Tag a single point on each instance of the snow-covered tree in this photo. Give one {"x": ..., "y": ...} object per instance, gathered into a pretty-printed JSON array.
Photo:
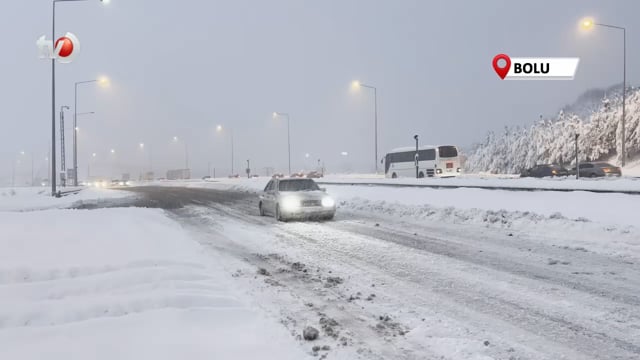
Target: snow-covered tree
[{"x": 553, "y": 140}]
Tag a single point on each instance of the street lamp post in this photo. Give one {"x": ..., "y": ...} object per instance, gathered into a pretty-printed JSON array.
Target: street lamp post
[
  {"x": 53, "y": 98},
  {"x": 275, "y": 115},
  {"x": 220, "y": 128},
  {"x": 75, "y": 143},
  {"x": 577, "y": 159},
  {"x": 75, "y": 123},
  {"x": 186, "y": 152},
  {"x": 63, "y": 165},
  {"x": 417, "y": 157},
  {"x": 588, "y": 24},
  {"x": 375, "y": 119}
]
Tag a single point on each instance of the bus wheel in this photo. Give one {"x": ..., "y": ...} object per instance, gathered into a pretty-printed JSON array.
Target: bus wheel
[
  {"x": 420, "y": 175},
  {"x": 394, "y": 176}
]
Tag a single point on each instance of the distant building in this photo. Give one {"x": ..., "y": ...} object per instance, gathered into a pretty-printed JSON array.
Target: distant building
[{"x": 178, "y": 174}]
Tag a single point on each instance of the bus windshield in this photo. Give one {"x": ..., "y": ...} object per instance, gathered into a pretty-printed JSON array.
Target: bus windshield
[{"x": 448, "y": 151}]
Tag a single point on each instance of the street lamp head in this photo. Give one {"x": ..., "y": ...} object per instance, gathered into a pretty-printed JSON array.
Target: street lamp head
[
  {"x": 587, "y": 23},
  {"x": 355, "y": 84},
  {"x": 113, "y": 151},
  {"x": 106, "y": 2},
  {"x": 94, "y": 154},
  {"x": 175, "y": 138},
  {"x": 275, "y": 114},
  {"x": 141, "y": 145},
  {"x": 219, "y": 128},
  {"x": 103, "y": 81}
]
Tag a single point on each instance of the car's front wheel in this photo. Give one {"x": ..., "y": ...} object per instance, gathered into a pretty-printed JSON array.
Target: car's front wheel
[{"x": 278, "y": 215}]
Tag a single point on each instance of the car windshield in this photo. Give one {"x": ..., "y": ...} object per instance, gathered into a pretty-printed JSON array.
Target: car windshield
[
  {"x": 604, "y": 165},
  {"x": 298, "y": 185}
]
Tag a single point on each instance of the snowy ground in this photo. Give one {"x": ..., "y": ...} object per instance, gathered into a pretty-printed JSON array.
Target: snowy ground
[
  {"x": 402, "y": 273},
  {"x": 121, "y": 283},
  {"x": 38, "y": 198},
  {"x": 491, "y": 181}
]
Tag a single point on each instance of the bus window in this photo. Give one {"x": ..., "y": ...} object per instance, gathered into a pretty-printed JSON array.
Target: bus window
[
  {"x": 426, "y": 155},
  {"x": 448, "y": 151}
]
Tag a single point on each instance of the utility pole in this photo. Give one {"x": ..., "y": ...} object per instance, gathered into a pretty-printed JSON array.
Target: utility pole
[{"x": 248, "y": 169}]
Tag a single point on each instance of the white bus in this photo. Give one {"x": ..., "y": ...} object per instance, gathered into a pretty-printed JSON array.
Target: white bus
[{"x": 433, "y": 161}]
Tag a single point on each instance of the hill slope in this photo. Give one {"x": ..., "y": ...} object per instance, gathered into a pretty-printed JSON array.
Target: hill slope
[{"x": 552, "y": 140}]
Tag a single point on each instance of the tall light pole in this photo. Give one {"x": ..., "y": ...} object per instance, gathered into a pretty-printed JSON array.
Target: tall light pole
[
  {"x": 220, "y": 129},
  {"x": 588, "y": 24},
  {"x": 358, "y": 84},
  {"x": 186, "y": 151},
  {"x": 102, "y": 81},
  {"x": 75, "y": 144},
  {"x": 417, "y": 157},
  {"x": 275, "y": 115},
  {"x": 53, "y": 96},
  {"x": 63, "y": 165}
]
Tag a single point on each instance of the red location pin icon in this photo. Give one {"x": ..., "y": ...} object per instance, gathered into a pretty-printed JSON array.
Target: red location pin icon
[{"x": 502, "y": 71}]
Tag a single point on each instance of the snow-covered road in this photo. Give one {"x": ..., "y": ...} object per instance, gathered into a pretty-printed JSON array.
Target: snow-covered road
[
  {"x": 400, "y": 274},
  {"x": 379, "y": 285}
]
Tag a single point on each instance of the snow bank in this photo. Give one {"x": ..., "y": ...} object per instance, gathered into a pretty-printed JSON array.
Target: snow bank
[
  {"x": 122, "y": 283},
  {"x": 38, "y": 198},
  {"x": 565, "y": 184}
]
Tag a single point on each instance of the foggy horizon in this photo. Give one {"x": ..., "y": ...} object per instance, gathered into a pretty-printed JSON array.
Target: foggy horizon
[{"x": 179, "y": 70}]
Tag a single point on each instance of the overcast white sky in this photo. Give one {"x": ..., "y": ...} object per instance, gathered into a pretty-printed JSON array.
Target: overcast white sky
[{"x": 179, "y": 68}]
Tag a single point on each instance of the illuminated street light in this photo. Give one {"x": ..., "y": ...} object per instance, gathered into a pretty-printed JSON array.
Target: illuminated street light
[
  {"x": 103, "y": 81},
  {"x": 357, "y": 85},
  {"x": 220, "y": 129},
  {"x": 588, "y": 24},
  {"x": 186, "y": 152},
  {"x": 275, "y": 116}
]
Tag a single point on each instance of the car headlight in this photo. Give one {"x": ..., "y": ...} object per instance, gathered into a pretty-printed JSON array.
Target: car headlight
[
  {"x": 459, "y": 170},
  {"x": 328, "y": 202},
  {"x": 438, "y": 171},
  {"x": 290, "y": 204}
]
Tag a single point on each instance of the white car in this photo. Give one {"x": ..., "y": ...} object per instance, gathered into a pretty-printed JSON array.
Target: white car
[{"x": 288, "y": 199}]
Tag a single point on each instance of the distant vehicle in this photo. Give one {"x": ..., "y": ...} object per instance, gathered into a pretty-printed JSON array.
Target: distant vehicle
[
  {"x": 314, "y": 175},
  {"x": 206, "y": 177},
  {"x": 119, "y": 182},
  {"x": 288, "y": 199},
  {"x": 546, "y": 170},
  {"x": 234, "y": 176},
  {"x": 597, "y": 169},
  {"x": 255, "y": 176},
  {"x": 433, "y": 161}
]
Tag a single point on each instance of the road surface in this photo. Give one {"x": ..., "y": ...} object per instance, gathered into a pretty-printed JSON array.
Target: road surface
[{"x": 391, "y": 288}]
